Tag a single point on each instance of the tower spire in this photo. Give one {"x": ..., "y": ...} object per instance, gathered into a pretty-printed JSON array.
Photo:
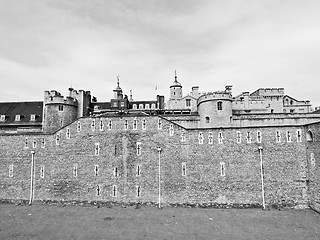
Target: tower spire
[
  {"x": 175, "y": 75},
  {"x": 118, "y": 81}
]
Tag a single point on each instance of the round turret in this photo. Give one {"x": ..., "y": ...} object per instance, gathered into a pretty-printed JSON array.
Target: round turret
[
  {"x": 175, "y": 89},
  {"x": 215, "y": 109}
]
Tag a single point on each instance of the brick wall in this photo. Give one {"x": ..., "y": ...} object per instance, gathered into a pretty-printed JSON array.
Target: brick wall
[{"x": 190, "y": 171}]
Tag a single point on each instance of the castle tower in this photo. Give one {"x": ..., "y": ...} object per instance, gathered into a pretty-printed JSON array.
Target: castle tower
[
  {"x": 118, "y": 91},
  {"x": 119, "y": 102},
  {"x": 215, "y": 109},
  {"x": 58, "y": 111},
  {"x": 175, "y": 89}
]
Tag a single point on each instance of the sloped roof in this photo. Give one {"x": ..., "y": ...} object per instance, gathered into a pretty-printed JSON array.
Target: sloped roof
[{"x": 24, "y": 109}]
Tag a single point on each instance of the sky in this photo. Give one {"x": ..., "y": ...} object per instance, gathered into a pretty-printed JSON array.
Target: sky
[{"x": 86, "y": 44}]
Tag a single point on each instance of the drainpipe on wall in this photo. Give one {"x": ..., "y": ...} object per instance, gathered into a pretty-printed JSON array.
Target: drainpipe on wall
[
  {"x": 262, "y": 180},
  {"x": 32, "y": 178},
  {"x": 159, "y": 151}
]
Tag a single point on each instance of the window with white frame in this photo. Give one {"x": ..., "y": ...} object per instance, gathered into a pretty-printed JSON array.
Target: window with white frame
[
  {"x": 115, "y": 172},
  {"x": 153, "y": 106},
  {"x": 220, "y": 137},
  {"x": 2, "y": 118},
  {"x": 159, "y": 124},
  {"x": 26, "y": 144},
  {"x": 114, "y": 191},
  {"x": 34, "y": 143},
  {"x": 248, "y": 137},
  {"x": 144, "y": 124},
  {"x": 298, "y": 135},
  {"x": 259, "y": 137},
  {"x": 135, "y": 124},
  {"x": 140, "y": 106},
  {"x": 96, "y": 149},
  {"x": 11, "y": 170},
  {"x": 96, "y": 170},
  {"x": 171, "y": 130},
  {"x": 75, "y": 170},
  {"x": 183, "y": 137},
  {"x": 138, "y": 148},
  {"x": 42, "y": 172},
  {"x": 138, "y": 191},
  {"x": 183, "y": 169},
  {"x": 43, "y": 142},
  {"x": 101, "y": 125},
  {"x": 134, "y": 106},
  {"x": 138, "y": 170},
  {"x": 32, "y": 117},
  {"x": 126, "y": 125},
  {"x": 210, "y": 138},
  {"x": 17, "y": 118},
  {"x": 278, "y": 136},
  {"x": 147, "y": 106},
  {"x": 200, "y": 138},
  {"x": 238, "y": 137},
  {"x": 93, "y": 124},
  {"x": 57, "y": 138},
  {"x": 289, "y": 136},
  {"x": 68, "y": 133},
  {"x": 78, "y": 126},
  {"x": 222, "y": 169}
]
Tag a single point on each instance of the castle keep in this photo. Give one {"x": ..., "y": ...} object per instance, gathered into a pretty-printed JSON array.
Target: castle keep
[{"x": 212, "y": 148}]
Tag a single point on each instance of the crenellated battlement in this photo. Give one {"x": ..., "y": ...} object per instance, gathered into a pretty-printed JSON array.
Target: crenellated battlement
[{"x": 54, "y": 97}]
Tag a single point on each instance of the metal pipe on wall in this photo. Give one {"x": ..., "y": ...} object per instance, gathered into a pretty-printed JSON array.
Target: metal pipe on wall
[
  {"x": 159, "y": 190},
  {"x": 262, "y": 178},
  {"x": 32, "y": 178}
]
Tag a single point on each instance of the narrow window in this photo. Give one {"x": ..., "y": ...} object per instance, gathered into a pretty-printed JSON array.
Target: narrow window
[
  {"x": 114, "y": 191},
  {"x": 61, "y": 123},
  {"x": 219, "y": 106},
  {"x": 278, "y": 136},
  {"x": 96, "y": 149},
  {"x": 248, "y": 137},
  {"x": 60, "y": 108},
  {"x": 200, "y": 138},
  {"x": 144, "y": 124},
  {"x": 101, "y": 125},
  {"x": 58, "y": 139},
  {"x": 43, "y": 143},
  {"x": 138, "y": 191},
  {"x": 138, "y": 170},
  {"x": 309, "y": 136},
  {"x": 42, "y": 172},
  {"x": 312, "y": 160},
  {"x": 11, "y": 170},
  {"x": 210, "y": 138},
  {"x": 93, "y": 125},
  {"x": 220, "y": 137},
  {"x": 75, "y": 170},
  {"x": 126, "y": 125},
  {"x": 238, "y": 137},
  {"x": 288, "y": 136},
  {"x": 184, "y": 169},
  {"x": 115, "y": 172},
  {"x": 34, "y": 143},
  {"x": 183, "y": 137},
  {"x": 110, "y": 125},
  {"x": 298, "y": 135},
  {"x": 26, "y": 145},
  {"x": 222, "y": 169},
  {"x": 78, "y": 126},
  {"x": 115, "y": 149},
  {"x": 207, "y": 120},
  {"x": 258, "y": 136},
  {"x": 96, "y": 170},
  {"x": 159, "y": 124},
  {"x": 188, "y": 102},
  {"x": 138, "y": 148},
  {"x": 68, "y": 133},
  {"x": 171, "y": 130},
  {"x": 32, "y": 117},
  {"x": 135, "y": 124},
  {"x": 98, "y": 190}
]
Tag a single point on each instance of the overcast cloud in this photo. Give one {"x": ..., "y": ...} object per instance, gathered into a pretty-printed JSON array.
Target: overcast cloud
[{"x": 250, "y": 44}]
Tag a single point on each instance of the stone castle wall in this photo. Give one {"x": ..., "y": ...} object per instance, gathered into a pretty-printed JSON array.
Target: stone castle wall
[{"x": 203, "y": 166}]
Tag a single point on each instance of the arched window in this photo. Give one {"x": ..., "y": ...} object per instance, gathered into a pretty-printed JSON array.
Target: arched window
[
  {"x": 219, "y": 105},
  {"x": 134, "y": 106},
  {"x": 207, "y": 120},
  {"x": 309, "y": 136},
  {"x": 153, "y": 106},
  {"x": 147, "y": 106},
  {"x": 140, "y": 106}
]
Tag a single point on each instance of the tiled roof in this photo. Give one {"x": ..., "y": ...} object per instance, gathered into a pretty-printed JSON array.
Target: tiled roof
[{"x": 25, "y": 109}]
